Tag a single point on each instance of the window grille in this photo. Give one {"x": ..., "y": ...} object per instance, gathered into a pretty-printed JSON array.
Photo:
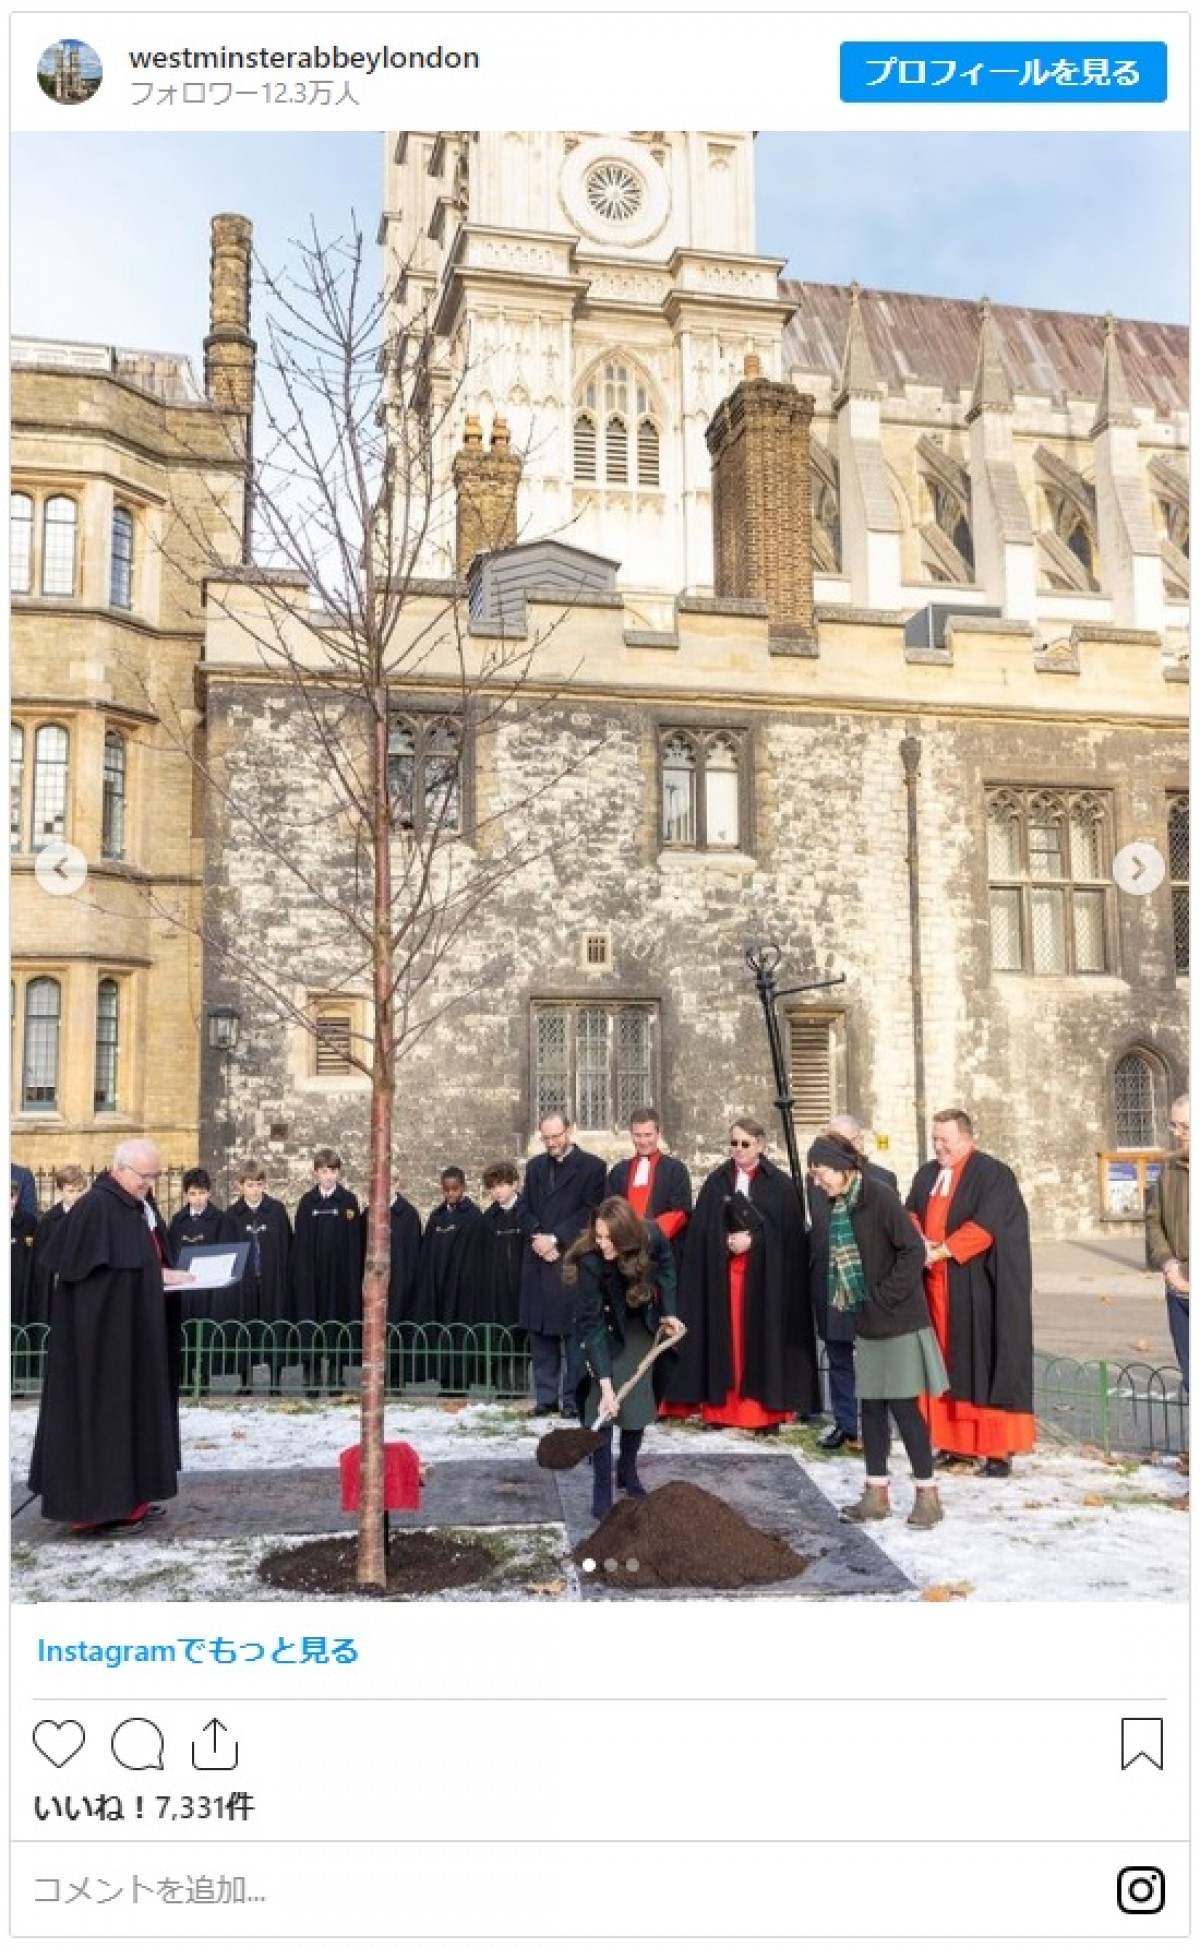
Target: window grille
[
  {"x": 1139, "y": 1100},
  {"x": 332, "y": 1034},
  {"x": 597, "y": 949},
  {"x": 1049, "y": 894},
  {"x": 58, "y": 546},
  {"x": 1178, "y": 866},
  {"x": 585, "y": 447},
  {"x": 120, "y": 592},
  {"x": 810, "y": 1067},
  {"x": 647, "y": 453},
  {"x": 108, "y": 1003},
  {"x": 594, "y": 1064},
  {"x": 39, "y": 1069},
  {"x": 50, "y": 749},
  {"x": 112, "y": 835},
  {"x": 20, "y": 544},
  {"x": 616, "y": 452}
]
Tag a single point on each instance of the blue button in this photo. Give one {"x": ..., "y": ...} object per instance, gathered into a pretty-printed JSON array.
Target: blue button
[{"x": 1006, "y": 71}]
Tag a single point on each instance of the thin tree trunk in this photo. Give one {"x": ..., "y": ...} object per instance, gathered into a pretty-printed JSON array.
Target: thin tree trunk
[{"x": 372, "y": 1559}]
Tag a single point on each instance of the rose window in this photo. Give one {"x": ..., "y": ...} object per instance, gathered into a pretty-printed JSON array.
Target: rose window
[{"x": 614, "y": 191}]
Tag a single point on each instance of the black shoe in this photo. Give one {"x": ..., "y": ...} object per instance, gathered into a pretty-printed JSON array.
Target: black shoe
[
  {"x": 541, "y": 1412},
  {"x": 996, "y": 1470},
  {"x": 948, "y": 1461},
  {"x": 835, "y": 1437}
]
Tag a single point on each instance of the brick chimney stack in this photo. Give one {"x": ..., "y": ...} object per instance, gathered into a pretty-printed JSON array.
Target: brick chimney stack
[
  {"x": 229, "y": 349},
  {"x": 759, "y": 440},
  {"x": 485, "y": 484}
]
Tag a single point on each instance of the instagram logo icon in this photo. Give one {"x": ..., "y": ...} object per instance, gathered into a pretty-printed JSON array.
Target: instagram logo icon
[{"x": 1141, "y": 1889}]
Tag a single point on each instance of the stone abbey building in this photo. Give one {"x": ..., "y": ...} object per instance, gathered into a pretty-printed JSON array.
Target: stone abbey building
[{"x": 851, "y": 619}]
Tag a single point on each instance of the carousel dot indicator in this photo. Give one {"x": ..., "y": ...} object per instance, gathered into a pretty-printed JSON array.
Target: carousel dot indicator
[
  {"x": 612, "y": 1565},
  {"x": 589, "y": 1565},
  {"x": 633, "y": 1565}
]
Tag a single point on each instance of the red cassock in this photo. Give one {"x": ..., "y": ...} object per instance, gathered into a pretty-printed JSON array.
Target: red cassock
[
  {"x": 958, "y": 1425},
  {"x": 670, "y": 1222}
]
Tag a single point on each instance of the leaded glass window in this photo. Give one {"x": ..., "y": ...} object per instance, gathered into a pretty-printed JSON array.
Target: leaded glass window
[
  {"x": 425, "y": 774},
  {"x": 1179, "y": 870},
  {"x": 20, "y": 544},
  {"x": 112, "y": 835},
  {"x": 16, "y": 785},
  {"x": 39, "y": 1067},
  {"x": 594, "y": 1063},
  {"x": 679, "y": 791},
  {"x": 49, "y": 785},
  {"x": 108, "y": 1022},
  {"x": 58, "y": 546},
  {"x": 1049, "y": 892},
  {"x": 120, "y": 592},
  {"x": 1140, "y": 1102}
]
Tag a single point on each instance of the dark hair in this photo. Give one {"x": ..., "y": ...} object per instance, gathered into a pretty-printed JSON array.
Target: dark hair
[
  {"x": 252, "y": 1171},
  {"x": 751, "y": 1127},
  {"x": 646, "y": 1115},
  {"x": 452, "y": 1174},
  {"x": 834, "y": 1152},
  {"x": 326, "y": 1159},
  {"x": 632, "y": 1240},
  {"x": 196, "y": 1180},
  {"x": 69, "y": 1176},
  {"x": 956, "y": 1115},
  {"x": 500, "y": 1173}
]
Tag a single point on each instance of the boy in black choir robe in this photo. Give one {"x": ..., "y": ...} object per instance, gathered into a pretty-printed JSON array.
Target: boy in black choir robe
[
  {"x": 448, "y": 1279},
  {"x": 501, "y": 1284},
  {"x": 70, "y": 1183},
  {"x": 201, "y": 1221},
  {"x": 261, "y": 1221},
  {"x": 327, "y": 1270}
]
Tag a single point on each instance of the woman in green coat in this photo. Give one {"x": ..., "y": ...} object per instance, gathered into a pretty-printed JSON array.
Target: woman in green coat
[{"x": 625, "y": 1271}]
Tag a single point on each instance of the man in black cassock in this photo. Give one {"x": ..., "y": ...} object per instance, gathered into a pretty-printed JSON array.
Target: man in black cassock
[
  {"x": 750, "y": 1357},
  {"x": 107, "y": 1442},
  {"x": 327, "y": 1269},
  {"x": 562, "y": 1188},
  {"x": 261, "y": 1221},
  {"x": 201, "y": 1221}
]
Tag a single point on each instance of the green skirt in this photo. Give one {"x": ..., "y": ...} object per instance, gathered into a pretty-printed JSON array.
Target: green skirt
[
  {"x": 900, "y": 1368},
  {"x": 639, "y": 1408}
]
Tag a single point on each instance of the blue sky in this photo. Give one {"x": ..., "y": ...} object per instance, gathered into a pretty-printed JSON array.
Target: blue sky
[{"x": 110, "y": 232}]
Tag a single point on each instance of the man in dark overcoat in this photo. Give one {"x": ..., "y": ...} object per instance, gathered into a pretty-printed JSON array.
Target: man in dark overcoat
[
  {"x": 562, "y": 1188},
  {"x": 107, "y": 1441}
]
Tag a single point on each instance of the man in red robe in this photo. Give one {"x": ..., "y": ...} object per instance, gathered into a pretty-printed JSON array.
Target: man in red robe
[
  {"x": 979, "y": 1283},
  {"x": 657, "y": 1185}
]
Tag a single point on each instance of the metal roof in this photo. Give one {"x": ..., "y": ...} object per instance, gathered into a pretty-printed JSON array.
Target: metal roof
[{"x": 935, "y": 341}]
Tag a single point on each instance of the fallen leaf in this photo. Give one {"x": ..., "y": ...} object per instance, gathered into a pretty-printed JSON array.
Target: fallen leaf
[
  {"x": 1141, "y": 1345},
  {"x": 544, "y": 1588},
  {"x": 1106, "y": 1301},
  {"x": 238, "y": 1433},
  {"x": 1033, "y": 1504},
  {"x": 947, "y": 1591},
  {"x": 1094, "y": 1501}
]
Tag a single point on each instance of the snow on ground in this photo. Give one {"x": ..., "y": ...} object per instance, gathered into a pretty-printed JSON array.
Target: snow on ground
[{"x": 1068, "y": 1526}]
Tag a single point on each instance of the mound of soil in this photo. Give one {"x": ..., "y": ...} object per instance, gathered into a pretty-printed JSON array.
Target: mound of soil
[
  {"x": 420, "y": 1564},
  {"x": 679, "y": 1537}
]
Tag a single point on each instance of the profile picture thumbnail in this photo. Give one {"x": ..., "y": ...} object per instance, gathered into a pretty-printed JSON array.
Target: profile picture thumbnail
[{"x": 70, "y": 72}]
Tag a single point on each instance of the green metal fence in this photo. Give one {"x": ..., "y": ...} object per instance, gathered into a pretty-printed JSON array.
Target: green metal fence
[{"x": 1130, "y": 1409}]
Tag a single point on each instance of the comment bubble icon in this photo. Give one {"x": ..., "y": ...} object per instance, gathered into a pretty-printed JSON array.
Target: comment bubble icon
[{"x": 137, "y": 1744}]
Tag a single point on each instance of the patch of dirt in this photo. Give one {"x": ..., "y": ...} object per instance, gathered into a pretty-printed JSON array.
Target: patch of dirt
[
  {"x": 680, "y": 1537},
  {"x": 418, "y": 1564}
]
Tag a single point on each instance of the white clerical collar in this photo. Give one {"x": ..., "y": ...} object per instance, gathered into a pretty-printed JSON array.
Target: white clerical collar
[
  {"x": 945, "y": 1177},
  {"x": 641, "y": 1172},
  {"x": 149, "y": 1214},
  {"x": 743, "y": 1181}
]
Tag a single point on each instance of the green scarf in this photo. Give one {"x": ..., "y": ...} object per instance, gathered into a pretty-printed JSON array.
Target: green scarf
[{"x": 847, "y": 1285}]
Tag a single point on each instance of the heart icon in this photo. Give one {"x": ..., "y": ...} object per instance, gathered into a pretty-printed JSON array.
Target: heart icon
[{"x": 59, "y": 1742}]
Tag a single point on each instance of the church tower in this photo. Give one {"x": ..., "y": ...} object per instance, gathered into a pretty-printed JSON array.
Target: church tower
[{"x": 600, "y": 293}]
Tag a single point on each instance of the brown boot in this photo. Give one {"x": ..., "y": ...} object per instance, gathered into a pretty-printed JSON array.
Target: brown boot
[
  {"x": 927, "y": 1509},
  {"x": 874, "y": 1505}
]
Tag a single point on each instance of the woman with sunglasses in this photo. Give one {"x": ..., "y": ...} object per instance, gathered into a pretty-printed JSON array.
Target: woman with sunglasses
[{"x": 750, "y": 1357}]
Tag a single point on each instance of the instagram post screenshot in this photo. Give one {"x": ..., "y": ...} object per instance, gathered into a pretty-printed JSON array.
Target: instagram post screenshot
[{"x": 599, "y": 950}]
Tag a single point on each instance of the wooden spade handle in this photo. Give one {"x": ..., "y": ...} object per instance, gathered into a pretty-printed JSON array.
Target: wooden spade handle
[{"x": 660, "y": 1345}]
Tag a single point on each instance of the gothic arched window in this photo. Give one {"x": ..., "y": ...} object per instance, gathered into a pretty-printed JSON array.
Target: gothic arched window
[
  {"x": 20, "y": 544},
  {"x": 616, "y": 436},
  {"x": 703, "y": 787},
  {"x": 120, "y": 579},
  {"x": 1140, "y": 1101},
  {"x": 108, "y": 1024},
  {"x": 50, "y": 747},
  {"x": 39, "y": 1068},
  {"x": 58, "y": 546},
  {"x": 112, "y": 818}
]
